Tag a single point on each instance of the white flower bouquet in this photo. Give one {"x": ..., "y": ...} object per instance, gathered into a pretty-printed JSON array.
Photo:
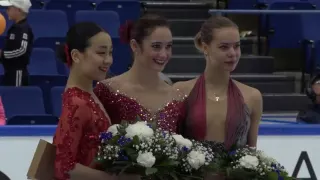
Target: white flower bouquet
[
  {"x": 249, "y": 163},
  {"x": 142, "y": 149},
  {"x": 139, "y": 149},
  {"x": 195, "y": 159}
]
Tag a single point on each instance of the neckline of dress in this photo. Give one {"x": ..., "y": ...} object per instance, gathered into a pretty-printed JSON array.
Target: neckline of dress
[
  {"x": 152, "y": 114},
  {"x": 89, "y": 95}
]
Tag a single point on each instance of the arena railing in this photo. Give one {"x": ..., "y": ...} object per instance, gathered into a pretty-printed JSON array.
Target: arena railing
[
  {"x": 182, "y": 5},
  {"x": 290, "y": 144},
  {"x": 174, "y": 5},
  {"x": 305, "y": 43}
]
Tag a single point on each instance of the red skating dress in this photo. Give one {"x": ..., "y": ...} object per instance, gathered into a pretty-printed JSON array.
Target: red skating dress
[
  {"x": 122, "y": 107},
  {"x": 238, "y": 116},
  {"x": 77, "y": 134}
]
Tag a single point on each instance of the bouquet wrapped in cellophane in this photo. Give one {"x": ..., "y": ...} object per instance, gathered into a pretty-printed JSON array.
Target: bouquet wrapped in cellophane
[
  {"x": 145, "y": 150},
  {"x": 249, "y": 163}
]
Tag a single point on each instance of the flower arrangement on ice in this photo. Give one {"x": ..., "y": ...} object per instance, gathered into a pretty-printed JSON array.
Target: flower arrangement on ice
[
  {"x": 249, "y": 163},
  {"x": 142, "y": 149}
]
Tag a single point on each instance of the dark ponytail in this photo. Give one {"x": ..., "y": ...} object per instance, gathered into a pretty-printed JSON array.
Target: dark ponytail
[
  {"x": 60, "y": 53},
  {"x": 63, "y": 54}
]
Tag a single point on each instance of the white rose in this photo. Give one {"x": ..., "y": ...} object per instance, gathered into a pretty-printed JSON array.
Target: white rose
[
  {"x": 113, "y": 129},
  {"x": 264, "y": 158},
  {"x": 181, "y": 141},
  {"x": 196, "y": 159},
  {"x": 249, "y": 162},
  {"x": 140, "y": 129},
  {"x": 146, "y": 159}
]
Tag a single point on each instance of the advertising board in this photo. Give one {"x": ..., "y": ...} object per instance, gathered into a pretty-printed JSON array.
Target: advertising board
[{"x": 286, "y": 143}]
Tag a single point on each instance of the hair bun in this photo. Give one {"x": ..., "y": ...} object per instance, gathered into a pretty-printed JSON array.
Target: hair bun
[{"x": 125, "y": 31}]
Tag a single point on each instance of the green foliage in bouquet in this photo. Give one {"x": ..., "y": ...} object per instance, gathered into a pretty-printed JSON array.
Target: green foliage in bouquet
[
  {"x": 139, "y": 149},
  {"x": 248, "y": 163}
]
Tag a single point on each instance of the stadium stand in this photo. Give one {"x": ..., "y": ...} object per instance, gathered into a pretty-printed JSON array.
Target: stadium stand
[
  {"x": 25, "y": 105},
  {"x": 56, "y": 100},
  {"x": 51, "y": 19}
]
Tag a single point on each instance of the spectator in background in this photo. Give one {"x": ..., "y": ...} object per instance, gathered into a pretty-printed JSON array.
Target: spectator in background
[
  {"x": 2, "y": 114},
  {"x": 312, "y": 113},
  {"x": 17, "y": 49}
]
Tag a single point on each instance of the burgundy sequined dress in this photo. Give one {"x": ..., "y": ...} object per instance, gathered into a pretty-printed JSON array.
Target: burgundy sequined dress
[
  {"x": 237, "y": 120},
  {"x": 77, "y": 134},
  {"x": 122, "y": 107}
]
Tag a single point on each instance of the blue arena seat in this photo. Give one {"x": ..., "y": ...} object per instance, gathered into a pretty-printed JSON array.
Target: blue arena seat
[
  {"x": 122, "y": 57},
  {"x": 49, "y": 27},
  {"x": 99, "y": 1},
  {"x": 43, "y": 62},
  {"x": 127, "y": 10},
  {"x": 43, "y": 70},
  {"x": 46, "y": 82},
  {"x": 61, "y": 67},
  {"x": 1, "y": 70},
  {"x": 66, "y": 69},
  {"x": 317, "y": 54},
  {"x": 24, "y": 105},
  {"x": 241, "y": 4},
  {"x": 301, "y": 27},
  {"x": 108, "y": 20},
  {"x": 282, "y": 24},
  {"x": 48, "y": 23},
  {"x": 310, "y": 31},
  {"x": 288, "y": 1},
  {"x": 56, "y": 100},
  {"x": 70, "y": 7}
]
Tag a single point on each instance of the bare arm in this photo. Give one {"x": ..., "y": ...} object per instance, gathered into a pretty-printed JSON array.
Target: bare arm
[{"x": 255, "y": 118}]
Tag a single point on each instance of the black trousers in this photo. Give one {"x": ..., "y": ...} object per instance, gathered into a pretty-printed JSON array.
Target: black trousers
[{"x": 16, "y": 78}]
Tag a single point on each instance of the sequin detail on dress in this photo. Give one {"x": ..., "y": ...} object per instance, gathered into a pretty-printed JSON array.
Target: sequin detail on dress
[
  {"x": 122, "y": 107},
  {"x": 77, "y": 134}
]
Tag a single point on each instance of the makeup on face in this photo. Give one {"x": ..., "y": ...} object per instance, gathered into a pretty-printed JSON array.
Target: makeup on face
[{"x": 162, "y": 48}]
